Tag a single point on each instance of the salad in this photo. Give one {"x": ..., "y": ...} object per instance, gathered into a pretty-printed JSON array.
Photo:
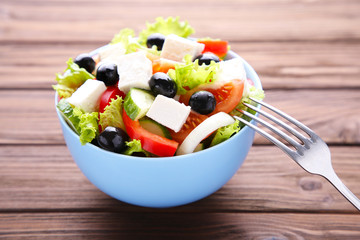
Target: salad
[{"x": 160, "y": 93}]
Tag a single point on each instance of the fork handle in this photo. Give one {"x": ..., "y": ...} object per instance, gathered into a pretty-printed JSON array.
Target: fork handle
[{"x": 340, "y": 186}]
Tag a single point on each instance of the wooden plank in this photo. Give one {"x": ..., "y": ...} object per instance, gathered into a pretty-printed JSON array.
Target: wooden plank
[
  {"x": 44, "y": 178},
  {"x": 156, "y": 225},
  {"x": 303, "y": 65},
  {"x": 279, "y": 65},
  {"x": 240, "y": 20},
  {"x": 29, "y": 112},
  {"x": 34, "y": 66},
  {"x": 30, "y": 117}
]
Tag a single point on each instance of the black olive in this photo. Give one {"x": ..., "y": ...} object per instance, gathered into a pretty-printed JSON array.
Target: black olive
[
  {"x": 156, "y": 39},
  {"x": 113, "y": 139},
  {"x": 107, "y": 72},
  {"x": 161, "y": 83},
  {"x": 85, "y": 61},
  {"x": 138, "y": 154},
  {"x": 202, "y": 102},
  {"x": 206, "y": 58},
  {"x": 95, "y": 142}
]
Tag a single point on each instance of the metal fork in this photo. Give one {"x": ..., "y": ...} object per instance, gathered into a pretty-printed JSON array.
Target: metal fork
[{"x": 312, "y": 154}]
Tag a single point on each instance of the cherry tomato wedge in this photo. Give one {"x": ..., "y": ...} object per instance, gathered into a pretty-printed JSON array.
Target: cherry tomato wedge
[
  {"x": 150, "y": 142},
  {"x": 110, "y": 93},
  {"x": 227, "y": 95},
  {"x": 218, "y": 47}
]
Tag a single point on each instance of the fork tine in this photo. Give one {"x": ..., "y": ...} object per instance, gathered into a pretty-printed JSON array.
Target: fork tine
[
  {"x": 275, "y": 130},
  {"x": 282, "y": 146},
  {"x": 290, "y": 119},
  {"x": 279, "y": 122}
]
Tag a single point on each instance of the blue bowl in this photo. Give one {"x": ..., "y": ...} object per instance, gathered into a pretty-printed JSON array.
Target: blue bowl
[{"x": 166, "y": 181}]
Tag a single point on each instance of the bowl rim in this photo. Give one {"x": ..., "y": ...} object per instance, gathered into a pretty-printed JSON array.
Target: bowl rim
[{"x": 248, "y": 68}]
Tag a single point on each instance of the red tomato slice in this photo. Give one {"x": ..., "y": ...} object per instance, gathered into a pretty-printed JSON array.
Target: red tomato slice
[
  {"x": 110, "y": 93},
  {"x": 227, "y": 96},
  {"x": 150, "y": 142},
  {"x": 193, "y": 120},
  {"x": 218, "y": 47}
]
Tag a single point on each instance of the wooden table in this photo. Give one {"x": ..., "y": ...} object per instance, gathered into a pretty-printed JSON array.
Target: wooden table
[{"x": 307, "y": 54}]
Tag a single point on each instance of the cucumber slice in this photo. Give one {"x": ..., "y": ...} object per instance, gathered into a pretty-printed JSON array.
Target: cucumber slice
[
  {"x": 68, "y": 114},
  {"x": 137, "y": 102},
  {"x": 154, "y": 127}
]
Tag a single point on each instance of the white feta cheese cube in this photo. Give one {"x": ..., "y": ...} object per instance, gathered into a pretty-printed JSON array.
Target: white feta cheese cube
[
  {"x": 112, "y": 52},
  {"x": 175, "y": 48},
  {"x": 87, "y": 96},
  {"x": 230, "y": 70},
  {"x": 169, "y": 112},
  {"x": 135, "y": 70}
]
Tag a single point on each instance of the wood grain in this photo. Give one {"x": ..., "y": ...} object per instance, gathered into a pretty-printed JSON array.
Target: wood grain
[
  {"x": 286, "y": 65},
  {"x": 276, "y": 20},
  {"x": 268, "y": 181},
  {"x": 116, "y": 225},
  {"x": 307, "y": 56},
  {"x": 333, "y": 114}
]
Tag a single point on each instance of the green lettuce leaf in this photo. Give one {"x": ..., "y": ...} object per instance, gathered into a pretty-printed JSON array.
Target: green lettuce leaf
[
  {"x": 72, "y": 78},
  {"x": 63, "y": 91},
  {"x": 112, "y": 114},
  {"x": 166, "y": 26},
  {"x": 225, "y": 133},
  {"x": 84, "y": 124},
  {"x": 123, "y": 36},
  {"x": 126, "y": 37},
  {"x": 190, "y": 75},
  {"x": 134, "y": 146},
  {"x": 253, "y": 92},
  {"x": 88, "y": 126}
]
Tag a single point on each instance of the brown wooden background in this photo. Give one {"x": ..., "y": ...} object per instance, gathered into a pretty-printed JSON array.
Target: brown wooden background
[{"x": 307, "y": 54}]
